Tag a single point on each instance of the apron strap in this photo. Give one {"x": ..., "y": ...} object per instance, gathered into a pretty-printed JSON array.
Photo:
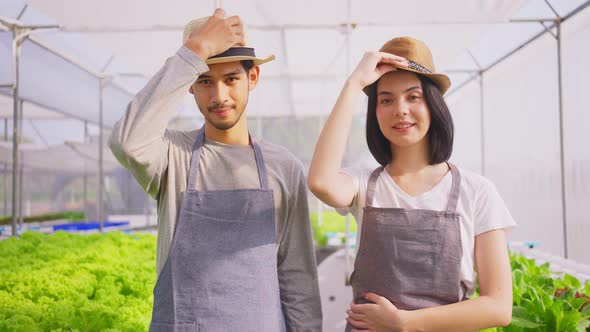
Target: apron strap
[
  {"x": 455, "y": 188},
  {"x": 194, "y": 165},
  {"x": 372, "y": 184},
  {"x": 198, "y": 147},
  {"x": 262, "y": 174}
]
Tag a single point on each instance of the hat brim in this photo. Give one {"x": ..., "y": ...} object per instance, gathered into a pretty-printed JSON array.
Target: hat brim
[
  {"x": 442, "y": 81},
  {"x": 257, "y": 61}
]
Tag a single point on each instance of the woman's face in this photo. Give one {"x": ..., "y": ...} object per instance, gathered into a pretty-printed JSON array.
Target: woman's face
[{"x": 402, "y": 113}]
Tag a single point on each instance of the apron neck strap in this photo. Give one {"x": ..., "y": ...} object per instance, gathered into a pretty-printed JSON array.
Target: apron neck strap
[
  {"x": 198, "y": 147},
  {"x": 372, "y": 185},
  {"x": 455, "y": 187}
]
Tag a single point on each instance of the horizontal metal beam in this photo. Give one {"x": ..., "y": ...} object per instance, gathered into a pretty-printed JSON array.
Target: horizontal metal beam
[
  {"x": 531, "y": 20},
  {"x": 12, "y": 23},
  {"x": 274, "y": 27}
]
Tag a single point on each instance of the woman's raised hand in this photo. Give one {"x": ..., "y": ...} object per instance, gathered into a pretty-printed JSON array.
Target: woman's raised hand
[{"x": 373, "y": 65}]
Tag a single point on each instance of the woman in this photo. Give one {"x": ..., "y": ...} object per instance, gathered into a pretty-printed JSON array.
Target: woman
[{"x": 423, "y": 222}]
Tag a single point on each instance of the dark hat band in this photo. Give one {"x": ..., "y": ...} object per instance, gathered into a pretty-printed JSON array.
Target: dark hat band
[
  {"x": 415, "y": 66},
  {"x": 236, "y": 51}
]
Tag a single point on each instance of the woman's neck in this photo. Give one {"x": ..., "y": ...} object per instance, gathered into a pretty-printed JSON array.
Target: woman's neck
[{"x": 409, "y": 159}]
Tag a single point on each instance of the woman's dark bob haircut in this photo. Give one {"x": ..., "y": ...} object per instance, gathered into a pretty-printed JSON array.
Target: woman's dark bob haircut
[{"x": 440, "y": 134}]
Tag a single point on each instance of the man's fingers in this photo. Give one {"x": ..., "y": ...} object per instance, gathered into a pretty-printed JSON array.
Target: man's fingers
[
  {"x": 234, "y": 21},
  {"x": 237, "y": 30},
  {"x": 219, "y": 13},
  {"x": 239, "y": 40}
]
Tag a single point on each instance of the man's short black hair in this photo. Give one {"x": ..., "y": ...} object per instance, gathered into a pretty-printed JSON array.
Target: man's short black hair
[{"x": 247, "y": 64}]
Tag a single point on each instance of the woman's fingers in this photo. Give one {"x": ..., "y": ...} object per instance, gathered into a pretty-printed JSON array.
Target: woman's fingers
[
  {"x": 389, "y": 56},
  {"x": 383, "y": 69},
  {"x": 355, "y": 316},
  {"x": 361, "y": 308},
  {"x": 357, "y": 323}
]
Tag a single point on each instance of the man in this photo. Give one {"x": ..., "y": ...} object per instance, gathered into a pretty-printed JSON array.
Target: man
[{"x": 235, "y": 251}]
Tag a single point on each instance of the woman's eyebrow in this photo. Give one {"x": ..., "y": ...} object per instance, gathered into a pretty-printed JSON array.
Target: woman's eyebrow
[{"x": 412, "y": 88}]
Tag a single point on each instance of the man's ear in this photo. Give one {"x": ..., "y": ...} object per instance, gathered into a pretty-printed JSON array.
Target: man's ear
[
  {"x": 190, "y": 90},
  {"x": 253, "y": 76}
]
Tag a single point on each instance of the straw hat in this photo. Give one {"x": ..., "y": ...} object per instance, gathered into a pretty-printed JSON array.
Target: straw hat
[
  {"x": 419, "y": 58},
  {"x": 235, "y": 53}
]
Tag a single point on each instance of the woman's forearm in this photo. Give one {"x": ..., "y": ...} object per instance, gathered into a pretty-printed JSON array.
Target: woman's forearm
[
  {"x": 471, "y": 315},
  {"x": 331, "y": 145}
]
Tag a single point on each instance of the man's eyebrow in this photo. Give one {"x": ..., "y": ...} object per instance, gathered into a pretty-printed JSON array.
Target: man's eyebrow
[{"x": 232, "y": 73}]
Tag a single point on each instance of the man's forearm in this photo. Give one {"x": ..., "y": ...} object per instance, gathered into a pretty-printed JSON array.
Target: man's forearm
[
  {"x": 152, "y": 108},
  {"x": 138, "y": 138}
]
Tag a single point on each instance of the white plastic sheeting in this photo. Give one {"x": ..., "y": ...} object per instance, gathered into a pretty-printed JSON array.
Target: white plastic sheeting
[
  {"x": 522, "y": 140},
  {"x": 515, "y": 139},
  {"x": 69, "y": 158},
  {"x": 521, "y": 133},
  {"x": 576, "y": 73},
  {"x": 30, "y": 110},
  {"x": 465, "y": 109},
  {"x": 52, "y": 82},
  {"x": 314, "y": 53}
]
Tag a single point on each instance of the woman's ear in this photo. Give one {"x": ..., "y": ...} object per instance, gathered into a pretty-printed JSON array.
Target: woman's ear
[{"x": 190, "y": 90}]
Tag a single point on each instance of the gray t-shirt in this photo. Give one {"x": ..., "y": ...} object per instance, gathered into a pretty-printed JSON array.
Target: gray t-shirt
[{"x": 159, "y": 159}]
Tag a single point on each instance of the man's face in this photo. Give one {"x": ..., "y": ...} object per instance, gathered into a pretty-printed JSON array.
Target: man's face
[{"x": 222, "y": 93}]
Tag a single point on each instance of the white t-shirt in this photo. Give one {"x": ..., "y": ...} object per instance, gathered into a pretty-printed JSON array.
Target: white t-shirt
[{"x": 480, "y": 206}]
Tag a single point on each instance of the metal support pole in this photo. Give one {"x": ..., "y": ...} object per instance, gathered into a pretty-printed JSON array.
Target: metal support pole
[
  {"x": 15, "y": 132},
  {"x": 4, "y": 182},
  {"x": 561, "y": 142},
  {"x": 20, "y": 177},
  {"x": 20, "y": 198},
  {"x": 482, "y": 148},
  {"x": 19, "y": 34},
  {"x": 85, "y": 176},
  {"x": 100, "y": 207},
  {"x": 482, "y": 125}
]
